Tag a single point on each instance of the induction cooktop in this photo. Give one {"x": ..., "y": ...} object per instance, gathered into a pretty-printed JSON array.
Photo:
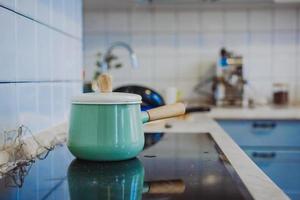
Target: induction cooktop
[{"x": 171, "y": 166}]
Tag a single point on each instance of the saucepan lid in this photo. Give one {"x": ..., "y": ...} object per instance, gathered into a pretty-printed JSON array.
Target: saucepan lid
[{"x": 106, "y": 96}]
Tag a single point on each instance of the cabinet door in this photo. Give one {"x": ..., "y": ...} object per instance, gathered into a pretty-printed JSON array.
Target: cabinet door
[
  {"x": 266, "y": 133},
  {"x": 281, "y": 166}
]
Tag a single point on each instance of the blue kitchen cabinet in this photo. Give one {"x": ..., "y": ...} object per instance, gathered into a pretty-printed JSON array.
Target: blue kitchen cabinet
[
  {"x": 274, "y": 145},
  {"x": 266, "y": 133},
  {"x": 281, "y": 166}
]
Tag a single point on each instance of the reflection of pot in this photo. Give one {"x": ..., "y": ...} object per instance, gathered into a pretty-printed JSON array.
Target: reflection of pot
[
  {"x": 110, "y": 180},
  {"x": 107, "y": 126},
  {"x": 115, "y": 180}
]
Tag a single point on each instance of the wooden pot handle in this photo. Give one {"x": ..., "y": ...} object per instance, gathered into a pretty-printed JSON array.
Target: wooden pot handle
[
  {"x": 166, "y": 187},
  {"x": 105, "y": 83},
  {"x": 166, "y": 111}
]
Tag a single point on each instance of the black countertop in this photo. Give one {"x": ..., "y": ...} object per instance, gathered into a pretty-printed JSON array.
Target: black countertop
[{"x": 172, "y": 166}]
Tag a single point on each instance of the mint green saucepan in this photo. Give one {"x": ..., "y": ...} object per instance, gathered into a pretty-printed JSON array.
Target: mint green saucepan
[{"x": 109, "y": 126}]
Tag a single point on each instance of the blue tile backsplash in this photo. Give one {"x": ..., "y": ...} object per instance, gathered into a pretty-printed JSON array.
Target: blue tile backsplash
[{"x": 40, "y": 62}]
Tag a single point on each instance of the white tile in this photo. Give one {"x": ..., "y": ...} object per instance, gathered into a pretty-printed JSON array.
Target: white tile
[
  {"x": 297, "y": 91},
  {"x": 165, "y": 68},
  {"x": 57, "y": 18},
  {"x": 236, "y": 20},
  {"x": 258, "y": 65},
  {"x": 189, "y": 67},
  {"x": 284, "y": 65},
  {"x": 68, "y": 98},
  {"x": 211, "y": 41},
  {"x": 212, "y": 21},
  {"x": 26, "y": 49},
  {"x": 188, "y": 40},
  {"x": 122, "y": 73},
  {"x": 145, "y": 69},
  {"x": 58, "y": 103},
  {"x": 44, "y": 105},
  {"x": 27, "y": 8},
  {"x": 8, "y": 3},
  {"x": 141, "y": 21},
  {"x": 143, "y": 43},
  {"x": 118, "y": 21},
  {"x": 57, "y": 56},
  {"x": 237, "y": 39},
  {"x": 69, "y": 17},
  {"x": 118, "y": 37},
  {"x": 27, "y": 105},
  {"x": 161, "y": 85},
  {"x": 69, "y": 60},
  {"x": 285, "y": 41},
  {"x": 298, "y": 63},
  {"x": 77, "y": 88},
  {"x": 260, "y": 38},
  {"x": 298, "y": 18},
  {"x": 260, "y": 41},
  {"x": 188, "y": 43},
  {"x": 290, "y": 81},
  {"x": 43, "y": 52},
  {"x": 95, "y": 22},
  {"x": 293, "y": 96},
  {"x": 8, "y": 111},
  {"x": 285, "y": 19},
  {"x": 260, "y": 89},
  {"x": 78, "y": 18},
  {"x": 8, "y": 46},
  {"x": 186, "y": 89},
  {"x": 95, "y": 43},
  {"x": 165, "y": 44},
  {"x": 78, "y": 63},
  {"x": 43, "y": 11},
  {"x": 188, "y": 21},
  {"x": 260, "y": 20},
  {"x": 164, "y": 21}
]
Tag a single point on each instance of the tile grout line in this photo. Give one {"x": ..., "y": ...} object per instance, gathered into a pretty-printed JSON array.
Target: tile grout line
[
  {"x": 39, "y": 22},
  {"x": 41, "y": 81}
]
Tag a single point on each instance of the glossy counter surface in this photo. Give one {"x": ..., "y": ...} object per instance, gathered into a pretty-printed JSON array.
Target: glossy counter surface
[{"x": 173, "y": 166}]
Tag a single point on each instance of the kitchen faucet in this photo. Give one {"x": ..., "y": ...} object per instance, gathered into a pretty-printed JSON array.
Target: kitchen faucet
[{"x": 132, "y": 54}]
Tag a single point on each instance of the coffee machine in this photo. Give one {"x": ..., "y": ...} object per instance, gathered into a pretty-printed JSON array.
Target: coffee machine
[{"x": 228, "y": 84}]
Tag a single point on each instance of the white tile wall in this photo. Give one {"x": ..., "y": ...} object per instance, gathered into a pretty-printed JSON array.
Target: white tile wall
[
  {"x": 8, "y": 3},
  {"x": 285, "y": 19},
  {"x": 236, "y": 20},
  {"x": 7, "y": 106},
  {"x": 40, "y": 62},
  {"x": 212, "y": 20},
  {"x": 141, "y": 21},
  {"x": 27, "y": 7},
  {"x": 164, "y": 21},
  {"x": 57, "y": 15},
  {"x": 95, "y": 21},
  {"x": 260, "y": 20},
  {"x": 180, "y": 47},
  {"x": 43, "y": 10},
  {"x": 193, "y": 19},
  {"x": 26, "y": 49},
  {"x": 43, "y": 54},
  {"x": 8, "y": 46}
]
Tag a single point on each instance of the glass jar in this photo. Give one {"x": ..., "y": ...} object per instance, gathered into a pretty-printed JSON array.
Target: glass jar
[{"x": 280, "y": 94}]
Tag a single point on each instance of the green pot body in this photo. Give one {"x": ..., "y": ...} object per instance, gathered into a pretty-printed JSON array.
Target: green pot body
[{"x": 102, "y": 132}]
